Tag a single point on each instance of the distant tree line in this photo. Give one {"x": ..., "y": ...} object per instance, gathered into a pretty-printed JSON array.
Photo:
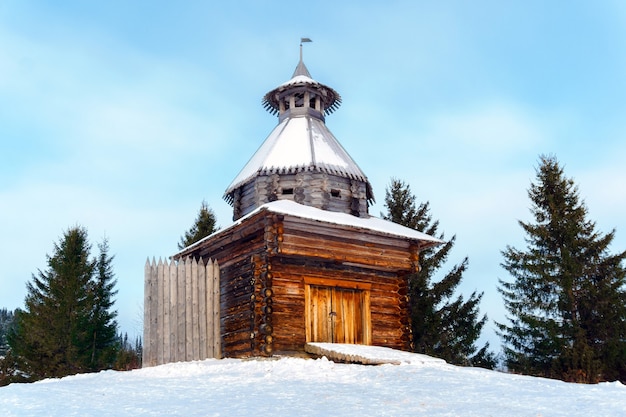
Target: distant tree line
[{"x": 6, "y": 324}]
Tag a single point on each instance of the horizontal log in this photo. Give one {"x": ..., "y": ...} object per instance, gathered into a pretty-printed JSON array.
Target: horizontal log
[
  {"x": 291, "y": 308},
  {"x": 296, "y": 273},
  {"x": 302, "y": 226},
  {"x": 236, "y": 338},
  {"x": 355, "y": 253}
]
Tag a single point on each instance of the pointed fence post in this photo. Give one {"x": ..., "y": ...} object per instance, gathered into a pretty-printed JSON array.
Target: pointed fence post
[
  {"x": 158, "y": 269},
  {"x": 195, "y": 328},
  {"x": 202, "y": 311},
  {"x": 154, "y": 314},
  {"x": 163, "y": 329},
  {"x": 147, "y": 357},
  {"x": 217, "y": 334},
  {"x": 210, "y": 336},
  {"x": 173, "y": 306},
  {"x": 188, "y": 310},
  {"x": 180, "y": 276}
]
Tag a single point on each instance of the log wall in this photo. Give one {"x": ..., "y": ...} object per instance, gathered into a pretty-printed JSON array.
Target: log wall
[
  {"x": 388, "y": 310},
  {"x": 181, "y": 311},
  {"x": 241, "y": 256},
  {"x": 265, "y": 262},
  {"x": 311, "y": 188}
]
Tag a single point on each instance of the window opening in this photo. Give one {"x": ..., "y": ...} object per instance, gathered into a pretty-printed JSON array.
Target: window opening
[{"x": 299, "y": 99}]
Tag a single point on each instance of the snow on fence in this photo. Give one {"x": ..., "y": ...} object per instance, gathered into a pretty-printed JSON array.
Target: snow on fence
[{"x": 181, "y": 311}]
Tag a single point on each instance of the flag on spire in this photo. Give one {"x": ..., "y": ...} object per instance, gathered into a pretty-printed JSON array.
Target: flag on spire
[{"x": 302, "y": 40}]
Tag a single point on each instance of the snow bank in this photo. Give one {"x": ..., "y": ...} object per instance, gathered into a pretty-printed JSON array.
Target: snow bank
[{"x": 305, "y": 387}]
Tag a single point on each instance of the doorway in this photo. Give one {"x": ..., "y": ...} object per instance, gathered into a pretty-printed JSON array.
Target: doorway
[{"x": 338, "y": 313}]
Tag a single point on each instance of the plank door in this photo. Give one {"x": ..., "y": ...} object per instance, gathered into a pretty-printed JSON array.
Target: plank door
[{"x": 336, "y": 315}]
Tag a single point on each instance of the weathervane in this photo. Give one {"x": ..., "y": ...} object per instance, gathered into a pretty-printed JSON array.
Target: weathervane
[{"x": 302, "y": 40}]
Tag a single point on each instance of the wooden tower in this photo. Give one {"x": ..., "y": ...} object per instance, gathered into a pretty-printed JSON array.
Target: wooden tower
[
  {"x": 301, "y": 160},
  {"x": 304, "y": 261}
]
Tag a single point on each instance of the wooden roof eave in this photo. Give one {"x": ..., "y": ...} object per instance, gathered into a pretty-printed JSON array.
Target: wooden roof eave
[
  {"x": 252, "y": 222},
  {"x": 247, "y": 225}
]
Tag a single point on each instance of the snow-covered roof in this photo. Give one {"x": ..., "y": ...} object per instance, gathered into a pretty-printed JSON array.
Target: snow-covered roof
[
  {"x": 291, "y": 208},
  {"x": 370, "y": 223},
  {"x": 300, "y": 143},
  {"x": 302, "y": 78},
  {"x": 299, "y": 79}
]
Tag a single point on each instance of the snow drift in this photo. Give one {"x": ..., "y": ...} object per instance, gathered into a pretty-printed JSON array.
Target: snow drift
[{"x": 307, "y": 387}]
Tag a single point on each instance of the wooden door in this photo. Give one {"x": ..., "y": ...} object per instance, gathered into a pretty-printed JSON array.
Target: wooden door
[{"x": 336, "y": 315}]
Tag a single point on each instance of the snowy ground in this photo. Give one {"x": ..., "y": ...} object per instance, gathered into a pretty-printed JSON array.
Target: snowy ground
[{"x": 304, "y": 387}]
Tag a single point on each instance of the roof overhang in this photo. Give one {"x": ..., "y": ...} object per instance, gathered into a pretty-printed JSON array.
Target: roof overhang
[{"x": 289, "y": 208}]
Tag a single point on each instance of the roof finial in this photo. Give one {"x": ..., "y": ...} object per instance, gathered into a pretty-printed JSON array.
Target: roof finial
[
  {"x": 301, "y": 68},
  {"x": 302, "y": 40}
]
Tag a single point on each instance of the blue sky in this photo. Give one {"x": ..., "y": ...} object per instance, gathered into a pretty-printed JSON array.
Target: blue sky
[{"x": 123, "y": 116}]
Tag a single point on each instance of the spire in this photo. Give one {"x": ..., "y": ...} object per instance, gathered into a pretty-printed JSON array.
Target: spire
[
  {"x": 289, "y": 97},
  {"x": 301, "y": 69}
]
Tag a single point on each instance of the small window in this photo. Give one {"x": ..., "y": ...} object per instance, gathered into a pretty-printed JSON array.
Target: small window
[
  {"x": 335, "y": 193},
  {"x": 299, "y": 99},
  {"x": 287, "y": 191}
]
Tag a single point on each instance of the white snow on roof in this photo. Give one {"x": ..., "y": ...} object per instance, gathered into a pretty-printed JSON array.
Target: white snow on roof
[
  {"x": 330, "y": 152},
  {"x": 292, "y": 208},
  {"x": 299, "y": 79},
  {"x": 299, "y": 143},
  {"x": 291, "y": 147},
  {"x": 371, "y": 223}
]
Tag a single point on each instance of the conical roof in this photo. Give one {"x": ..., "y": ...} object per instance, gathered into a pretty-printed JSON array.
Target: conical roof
[
  {"x": 301, "y": 141},
  {"x": 299, "y": 144}
]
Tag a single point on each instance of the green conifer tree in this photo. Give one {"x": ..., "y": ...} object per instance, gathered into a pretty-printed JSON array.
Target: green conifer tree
[
  {"x": 442, "y": 325},
  {"x": 566, "y": 303},
  {"x": 202, "y": 227},
  {"x": 57, "y": 333},
  {"x": 104, "y": 327}
]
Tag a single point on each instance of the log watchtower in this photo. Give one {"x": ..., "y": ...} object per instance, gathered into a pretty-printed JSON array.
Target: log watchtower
[
  {"x": 301, "y": 160},
  {"x": 303, "y": 261}
]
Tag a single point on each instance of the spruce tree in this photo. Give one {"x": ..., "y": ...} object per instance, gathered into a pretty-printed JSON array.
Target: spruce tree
[
  {"x": 202, "y": 227},
  {"x": 566, "y": 303},
  {"x": 104, "y": 327},
  {"x": 59, "y": 331},
  {"x": 442, "y": 325}
]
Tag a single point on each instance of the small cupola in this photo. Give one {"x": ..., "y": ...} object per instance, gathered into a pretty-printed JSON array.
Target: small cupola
[
  {"x": 301, "y": 160},
  {"x": 302, "y": 95}
]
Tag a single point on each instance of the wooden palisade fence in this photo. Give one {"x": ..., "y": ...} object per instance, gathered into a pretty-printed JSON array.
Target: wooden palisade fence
[{"x": 181, "y": 311}]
